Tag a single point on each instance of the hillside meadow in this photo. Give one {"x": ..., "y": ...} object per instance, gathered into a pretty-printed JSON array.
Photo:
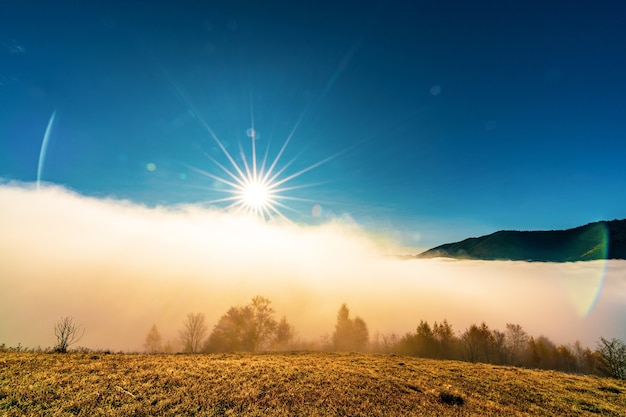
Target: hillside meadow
[{"x": 290, "y": 384}]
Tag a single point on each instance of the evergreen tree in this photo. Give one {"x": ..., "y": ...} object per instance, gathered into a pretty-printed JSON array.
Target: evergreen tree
[
  {"x": 153, "y": 343},
  {"x": 349, "y": 335},
  {"x": 284, "y": 335},
  {"x": 342, "y": 337},
  {"x": 360, "y": 335}
]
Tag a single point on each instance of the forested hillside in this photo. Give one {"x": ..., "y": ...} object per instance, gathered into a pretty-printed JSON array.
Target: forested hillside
[{"x": 600, "y": 240}]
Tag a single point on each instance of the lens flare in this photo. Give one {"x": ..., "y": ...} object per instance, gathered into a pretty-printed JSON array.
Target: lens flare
[
  {"x": 585, "y": 293},
  {"x": 44, "y": 148},
  {"x": 253, "y": 186}
]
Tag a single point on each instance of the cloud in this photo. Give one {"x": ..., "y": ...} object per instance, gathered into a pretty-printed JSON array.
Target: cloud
[
  {"x": 14, "y": 48},
  {"x": 118, "y": 268}
]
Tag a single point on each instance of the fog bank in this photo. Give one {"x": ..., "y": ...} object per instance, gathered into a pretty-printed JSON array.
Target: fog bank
[{"x": 118, "y": 268}]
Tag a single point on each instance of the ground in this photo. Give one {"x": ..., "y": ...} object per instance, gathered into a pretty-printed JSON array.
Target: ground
[{"x": 291, "y": 384}]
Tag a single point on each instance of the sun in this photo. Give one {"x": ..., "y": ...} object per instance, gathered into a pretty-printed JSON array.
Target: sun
[
  {"x": 255, "y": 187},
  {"x": 256, "y": 195}
]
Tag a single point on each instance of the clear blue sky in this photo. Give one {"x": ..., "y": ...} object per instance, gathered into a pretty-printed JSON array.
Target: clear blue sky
[{"x": 448, "y": 119}]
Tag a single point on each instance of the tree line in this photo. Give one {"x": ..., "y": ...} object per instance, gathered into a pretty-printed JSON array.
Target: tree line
[
  {"x": 248, "y": 328},
  {"x": 514, "y": 346},
  {"x": 254, "y": 328}
]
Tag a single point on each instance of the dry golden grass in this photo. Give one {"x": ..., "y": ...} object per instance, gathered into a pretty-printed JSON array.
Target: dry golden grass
[{"x": 291, "y": 384}]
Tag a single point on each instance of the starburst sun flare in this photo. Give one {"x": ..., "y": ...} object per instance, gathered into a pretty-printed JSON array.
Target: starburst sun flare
[
  {"x": 253, "y": 187},
  {"x": 256, "y": 195}
]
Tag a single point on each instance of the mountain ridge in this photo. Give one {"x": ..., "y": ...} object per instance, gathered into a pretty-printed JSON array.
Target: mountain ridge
[{"x": 597, "y": 240}]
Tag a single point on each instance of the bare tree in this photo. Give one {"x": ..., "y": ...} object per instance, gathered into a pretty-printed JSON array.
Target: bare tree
[
  {"x": 264, "y": 324},
  {"x": 500, "y": 353},
  {"x": 612, "y": 357},
  {"x": 67, "y": 333},
  {"x": 193, "y": 332},
  {"x": 516, "y": 341},
  {"x": 478, "y": 343},
  {"x": 385, "y": 343},
  {"x": 586, "y": 359},
  {"x": 153, "y": 342}
]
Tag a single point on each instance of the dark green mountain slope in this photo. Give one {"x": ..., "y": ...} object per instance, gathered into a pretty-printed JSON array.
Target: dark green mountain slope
[{"x": 600, "y": 240}]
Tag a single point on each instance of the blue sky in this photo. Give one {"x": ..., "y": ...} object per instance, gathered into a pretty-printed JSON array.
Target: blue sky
[{"x": 446, "y": 120}]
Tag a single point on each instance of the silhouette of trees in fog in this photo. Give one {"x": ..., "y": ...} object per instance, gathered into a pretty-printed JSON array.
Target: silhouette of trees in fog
[
  {"x": 385, "y": 342},
  {"x": 438, "y": 342},
  {"x": 479, "y": 343},
  {"x": 253, "y": 328},
  {"x": 284, "y": 335},
  {"x": 193, "y": 332},
  {"x": 250, "y": 328},
  {"x": 153, "y": 343},
  {"x": 516, "y": 341},
  {"x": 350, "y": 334},
  {"x": 67, "y": 333}
]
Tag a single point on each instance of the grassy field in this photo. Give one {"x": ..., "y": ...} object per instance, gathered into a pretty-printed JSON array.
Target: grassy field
[{"x": 291, "y": 384}]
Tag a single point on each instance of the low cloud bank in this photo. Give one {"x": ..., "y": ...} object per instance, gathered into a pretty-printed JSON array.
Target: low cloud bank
[{"x": 118, "y": 268}]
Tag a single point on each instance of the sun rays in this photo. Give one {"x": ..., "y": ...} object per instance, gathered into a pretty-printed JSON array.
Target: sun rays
[
  {"x": 261, "y": 188},
  {"x": 252, "y": 185}
]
